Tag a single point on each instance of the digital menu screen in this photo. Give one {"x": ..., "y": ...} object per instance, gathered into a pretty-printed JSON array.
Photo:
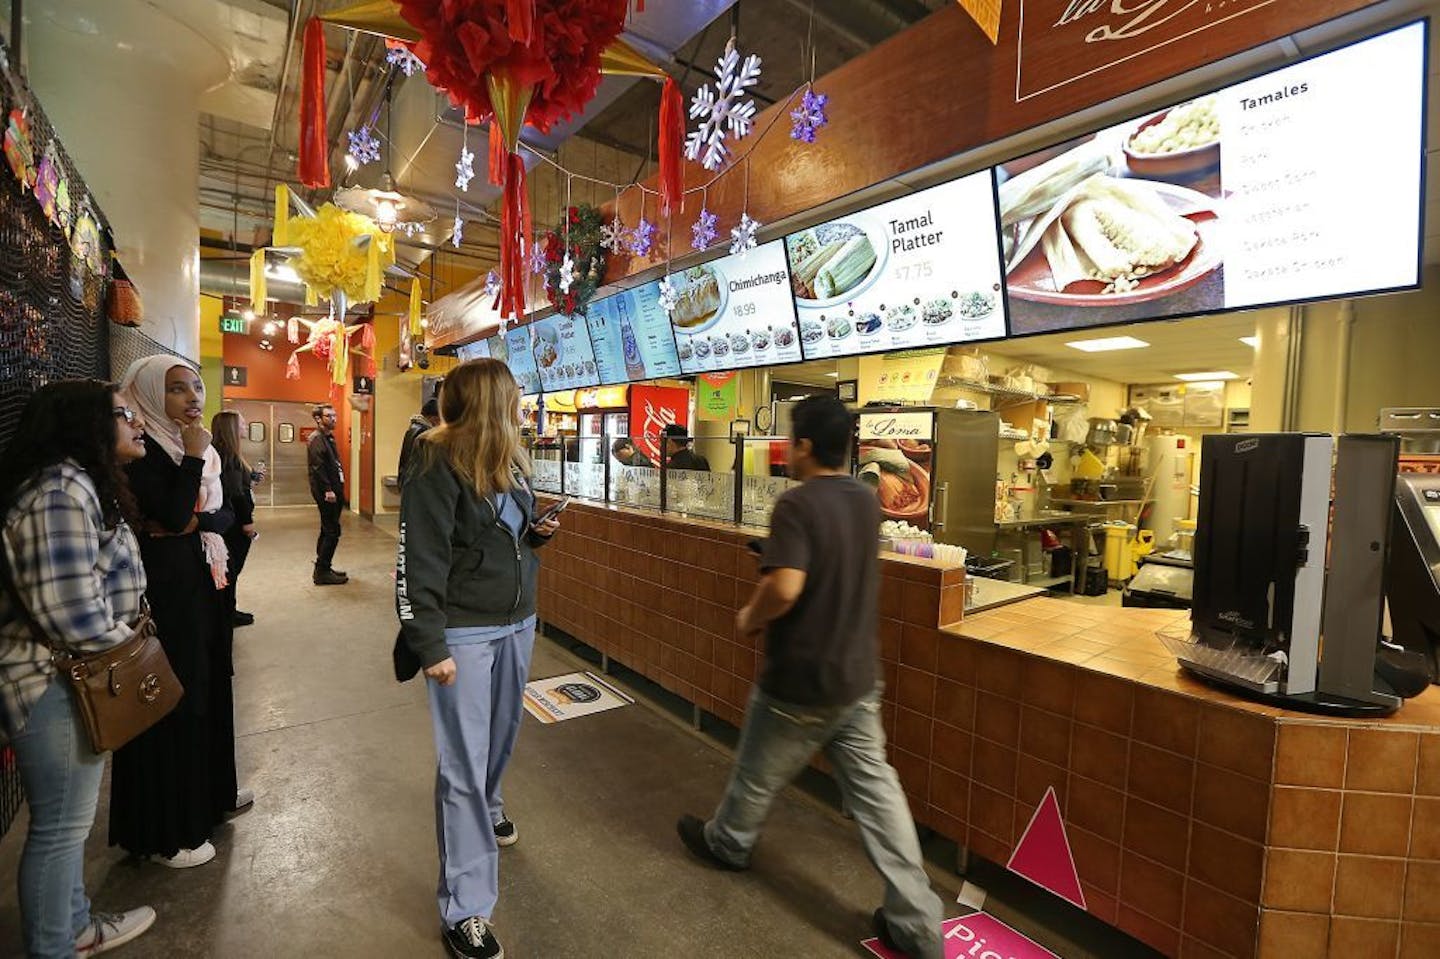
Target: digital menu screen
[
  {"x": 919, "y": 271},
  {"x": 736, "y": 312},
  {"x": 478, "y": 350},
  {"x": 1299, "y": 184},
  {"x": 563, "y": 354},
  {"x": 631, "y": 336},
  {"x": 518, "y": 356}
]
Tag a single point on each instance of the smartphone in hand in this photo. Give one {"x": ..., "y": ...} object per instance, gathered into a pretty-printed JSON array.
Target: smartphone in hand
[{"x": 552, "y": 512}]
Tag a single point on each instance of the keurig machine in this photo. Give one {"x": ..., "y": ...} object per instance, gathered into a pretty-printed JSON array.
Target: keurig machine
[{"x": 1267, "y": 620}]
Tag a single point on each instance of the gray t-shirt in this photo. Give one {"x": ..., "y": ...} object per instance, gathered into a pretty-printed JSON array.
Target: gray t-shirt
[{"x": 824, "y": 651}]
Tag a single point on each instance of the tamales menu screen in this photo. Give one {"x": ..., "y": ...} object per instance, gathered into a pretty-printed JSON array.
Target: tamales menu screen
[
  {"x": 1302, "y": 183},
  {"x": 923, "y": 270},
  {"x": 735, "y": 312}
]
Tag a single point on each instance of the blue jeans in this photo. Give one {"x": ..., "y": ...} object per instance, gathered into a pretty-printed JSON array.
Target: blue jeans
[
  {"x": 476, "y": 720},
  {"x": 777, "y": 742},
  {"x": 61, "y": 777}
]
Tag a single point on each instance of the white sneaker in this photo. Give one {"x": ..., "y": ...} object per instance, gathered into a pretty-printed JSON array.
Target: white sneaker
[
  {"x": 110, "y": 930},
  {"x": 244, "y": 799},
  {"x": 187, "y": 858}
]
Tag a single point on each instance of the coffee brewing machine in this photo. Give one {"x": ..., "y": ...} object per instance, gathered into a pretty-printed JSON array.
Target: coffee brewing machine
[{"x": 1268, "y": 619}]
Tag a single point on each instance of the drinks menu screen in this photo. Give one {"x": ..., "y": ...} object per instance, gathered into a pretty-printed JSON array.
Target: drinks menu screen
[
  {"x": 919, "y": 271},
  {"x": 563, "y": 353},
  {"x": 736, "y": 312},
  {"x": 518, "y": 356},
  {"x": 1302, "y": 183},
  {"x": 478, "y": 350},
  {"x": 631, "y": 336}
]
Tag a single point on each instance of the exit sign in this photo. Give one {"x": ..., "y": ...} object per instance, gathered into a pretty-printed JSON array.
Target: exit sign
[{"x": 234, "y": 324}]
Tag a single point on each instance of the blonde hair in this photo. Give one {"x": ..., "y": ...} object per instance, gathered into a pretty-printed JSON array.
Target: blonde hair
[{"x": 480, "y": 432}]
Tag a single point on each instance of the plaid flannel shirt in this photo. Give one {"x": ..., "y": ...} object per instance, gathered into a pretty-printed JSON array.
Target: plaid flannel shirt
[{"x": 82, "y": 583}]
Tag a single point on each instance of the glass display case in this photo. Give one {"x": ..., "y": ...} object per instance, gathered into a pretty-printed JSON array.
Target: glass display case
[{"x": 612, "y": 469}]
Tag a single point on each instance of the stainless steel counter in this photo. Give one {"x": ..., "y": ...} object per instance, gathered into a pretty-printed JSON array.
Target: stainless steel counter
[{"x": 990, "y": 593}]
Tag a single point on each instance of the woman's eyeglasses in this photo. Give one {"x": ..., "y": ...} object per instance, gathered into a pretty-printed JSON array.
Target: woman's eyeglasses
[{"x": 125, "y": 413}]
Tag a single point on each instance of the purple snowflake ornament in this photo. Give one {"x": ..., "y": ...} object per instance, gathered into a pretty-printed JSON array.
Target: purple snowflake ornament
[
  {"x": 537, "y": 259},
  {"x": 809, "y": 116},
  {"x": 642, "y": 238},
  {"x": 492, "y": 285},
  {"x": 705, "y": 230},
  {"x": 364, "y": 147}
]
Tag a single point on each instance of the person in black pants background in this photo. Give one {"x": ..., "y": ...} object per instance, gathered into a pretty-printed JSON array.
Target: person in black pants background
[
  {"x": 237, "y": 479},
  {"x": 327, "y": 485}
]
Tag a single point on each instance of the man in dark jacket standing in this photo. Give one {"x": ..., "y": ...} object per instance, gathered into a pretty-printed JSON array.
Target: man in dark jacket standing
[
  {"x": 428, "y": 419},
  {"x": 327, "y": 485}
]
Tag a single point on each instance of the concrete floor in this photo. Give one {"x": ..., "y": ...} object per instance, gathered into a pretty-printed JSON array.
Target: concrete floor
[{"x": 338, "y": 855}]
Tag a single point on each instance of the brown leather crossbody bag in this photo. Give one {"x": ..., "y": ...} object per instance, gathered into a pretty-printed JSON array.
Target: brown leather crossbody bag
[{"x": 119, "y": 692}]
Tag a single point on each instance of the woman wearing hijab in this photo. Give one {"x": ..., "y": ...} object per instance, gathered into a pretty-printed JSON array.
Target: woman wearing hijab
[
  {"x": 465, "y": 594},
  {"x": 170, "y": 786}
]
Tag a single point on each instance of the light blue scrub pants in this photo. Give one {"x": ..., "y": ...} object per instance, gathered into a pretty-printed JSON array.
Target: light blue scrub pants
[{"x": 476, "y": 720}]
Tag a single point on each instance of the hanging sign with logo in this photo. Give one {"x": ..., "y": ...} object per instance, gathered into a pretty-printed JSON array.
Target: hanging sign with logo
[
  {"x": 715, "y": 397},
  {"x": 652, "y": 408},
  {"x": 897, "y": 426}
]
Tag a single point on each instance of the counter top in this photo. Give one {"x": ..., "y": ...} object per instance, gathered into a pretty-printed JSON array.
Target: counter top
[
  {"x": 993, "y": 593},
  {"x": 1121, "y": 642}
]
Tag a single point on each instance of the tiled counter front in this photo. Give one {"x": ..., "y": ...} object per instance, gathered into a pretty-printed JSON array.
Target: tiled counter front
[
  {"x": 660, "y": 594},
  {"x": 1201, "y": 824}
]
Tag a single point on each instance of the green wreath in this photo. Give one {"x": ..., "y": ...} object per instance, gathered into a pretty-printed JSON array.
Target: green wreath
[{"x": 586, "y": 253}]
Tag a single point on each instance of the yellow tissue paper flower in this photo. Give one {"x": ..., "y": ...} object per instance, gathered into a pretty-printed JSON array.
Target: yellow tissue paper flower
[{"x": 330, "y": 258}]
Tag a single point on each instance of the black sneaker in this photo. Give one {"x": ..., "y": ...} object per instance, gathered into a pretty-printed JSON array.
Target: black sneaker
[
  {"x": 692, "y": 834},
  {"x": 882, "y": 931},
  {"x": 505, "y": 834},
  {"x": 244, "y": 619},
  {"x": 472, "y": 939},
  {"x": 330, "y": 577}
]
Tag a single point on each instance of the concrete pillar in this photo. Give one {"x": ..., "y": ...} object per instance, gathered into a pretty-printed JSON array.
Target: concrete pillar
[{"x": 121, "y": 82}]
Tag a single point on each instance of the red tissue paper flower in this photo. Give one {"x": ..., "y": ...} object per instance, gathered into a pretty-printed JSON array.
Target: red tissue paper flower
[{"x": 463, "y": 41}]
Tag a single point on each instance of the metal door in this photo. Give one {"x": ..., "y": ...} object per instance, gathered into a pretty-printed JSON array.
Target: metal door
[{"x": 274, "y": 435}]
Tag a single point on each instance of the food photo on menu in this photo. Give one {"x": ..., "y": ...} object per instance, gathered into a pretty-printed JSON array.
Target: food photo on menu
[
  {"x": 1240, "y": 198},
  {"x": 735, "y": 312},
  {"x": 922, "y": 270},
  {"x": 563, "y": 355}
]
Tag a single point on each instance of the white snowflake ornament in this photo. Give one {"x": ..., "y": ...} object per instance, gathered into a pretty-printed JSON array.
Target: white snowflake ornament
[
  {"x": 457, "y": 231},
  {"x": 567, "y": 273},
  {"x": 742, "y": 236},
  {"x": 464, "y": 169},
  {"x": 669, "y": 296},
  {"x": 613, "y": 234},
  {"x": 726, "y": 110}
]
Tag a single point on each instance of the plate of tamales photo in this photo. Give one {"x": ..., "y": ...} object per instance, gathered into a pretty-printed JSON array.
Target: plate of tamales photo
[
  {"x": 833, "y": 262},
  {"x": 1076, "y": 235}
]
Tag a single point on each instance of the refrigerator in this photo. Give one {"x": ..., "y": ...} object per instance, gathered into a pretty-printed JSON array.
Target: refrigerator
[{"x": 1170, "y": 473}]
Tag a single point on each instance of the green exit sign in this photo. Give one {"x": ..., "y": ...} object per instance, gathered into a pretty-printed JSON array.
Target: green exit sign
[{"x": 233, "y": 324}]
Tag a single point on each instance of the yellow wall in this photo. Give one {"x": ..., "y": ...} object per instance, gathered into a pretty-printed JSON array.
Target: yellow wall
[
  {"x": 397, "y": 394},
  {"x": 212, "y": 353},
  {"x": 1393, "y": 343}
]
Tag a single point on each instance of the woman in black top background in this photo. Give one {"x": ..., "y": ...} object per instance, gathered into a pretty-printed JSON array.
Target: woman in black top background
[
  {"x": 237, "y": 480},
  {"x": 175, "y": 782}
]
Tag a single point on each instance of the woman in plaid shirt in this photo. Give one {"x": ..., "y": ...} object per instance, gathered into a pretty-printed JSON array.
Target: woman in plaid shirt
[{"x": 75, "y": 564}]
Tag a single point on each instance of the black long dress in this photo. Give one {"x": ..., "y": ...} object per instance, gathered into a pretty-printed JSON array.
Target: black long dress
[{"x": 171, "y": 785}]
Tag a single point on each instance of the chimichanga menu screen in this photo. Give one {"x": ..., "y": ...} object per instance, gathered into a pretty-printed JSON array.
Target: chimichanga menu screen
[
  {"x": 735, "y": 312},
  {"x": 1303, "y": 183}
]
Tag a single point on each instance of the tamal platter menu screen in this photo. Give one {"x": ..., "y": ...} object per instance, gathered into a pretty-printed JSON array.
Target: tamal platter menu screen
[{"x": 923, "y": 270}]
